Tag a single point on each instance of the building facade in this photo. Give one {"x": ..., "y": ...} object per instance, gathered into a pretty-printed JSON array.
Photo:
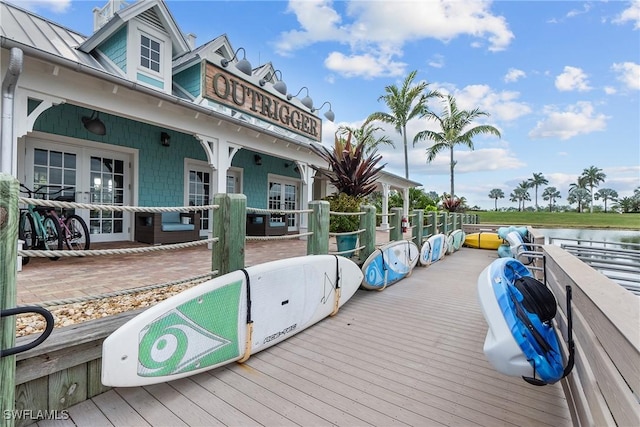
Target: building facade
[{"x": 136, "y": 114}]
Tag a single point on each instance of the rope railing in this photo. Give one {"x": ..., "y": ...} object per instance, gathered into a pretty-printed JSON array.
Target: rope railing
[
  {"x": 348, "y": 251},
  {"x": 387, "y": 214},
  {"x": 122, "y": 251},
  {"x": 277, "y": 211},
  {"x": 285, "y": 237},
  {"x": 348, "y": 233},
  {"x": 347, "y": 213},
  {"x": 112, "y": 208}
]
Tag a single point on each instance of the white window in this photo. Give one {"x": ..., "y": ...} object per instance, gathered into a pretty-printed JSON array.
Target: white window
[{"x": 149, "y": 53}]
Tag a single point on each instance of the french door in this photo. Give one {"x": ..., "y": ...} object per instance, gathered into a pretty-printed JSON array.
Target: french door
[
  {"x": 89, "y": 175},
  {"x": 283, "y": 194},
  {"x": 199, "y": 192}
]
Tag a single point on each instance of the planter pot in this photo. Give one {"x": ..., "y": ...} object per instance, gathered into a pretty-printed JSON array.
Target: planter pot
[{"x": 346, "y": 243}]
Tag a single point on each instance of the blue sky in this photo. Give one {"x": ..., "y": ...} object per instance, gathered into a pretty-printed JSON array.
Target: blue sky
[{"x": 560, "y": 79}]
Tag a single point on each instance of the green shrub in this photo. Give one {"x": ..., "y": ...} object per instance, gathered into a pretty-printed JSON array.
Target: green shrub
[{"x": 342, "y": 202}]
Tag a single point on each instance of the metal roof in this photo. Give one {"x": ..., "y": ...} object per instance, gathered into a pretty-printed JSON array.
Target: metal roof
[{"x": 29, "y": 29}]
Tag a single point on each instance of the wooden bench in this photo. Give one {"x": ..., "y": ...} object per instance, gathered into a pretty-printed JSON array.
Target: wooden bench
[
  {"x": 167, "y": 227},
  {"x": 266, "y": 225}
]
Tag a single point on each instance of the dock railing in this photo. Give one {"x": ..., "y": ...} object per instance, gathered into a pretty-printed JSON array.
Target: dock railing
[{"x": 604, "y": 386}]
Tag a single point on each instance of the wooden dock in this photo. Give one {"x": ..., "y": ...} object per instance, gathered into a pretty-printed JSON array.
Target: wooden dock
[{"x": 409, "y": 355}]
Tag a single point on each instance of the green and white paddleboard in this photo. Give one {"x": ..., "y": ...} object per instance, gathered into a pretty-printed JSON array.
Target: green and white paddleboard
[{"x": 226, "y": 319}]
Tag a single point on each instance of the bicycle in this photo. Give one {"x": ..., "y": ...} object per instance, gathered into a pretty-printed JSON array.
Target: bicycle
[
  {"x": 72, "y": 230},
  {"x": 38, "y": 229}
]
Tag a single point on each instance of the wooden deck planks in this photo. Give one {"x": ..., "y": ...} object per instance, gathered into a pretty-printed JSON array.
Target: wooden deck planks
[{"x": 409, "y": 355}]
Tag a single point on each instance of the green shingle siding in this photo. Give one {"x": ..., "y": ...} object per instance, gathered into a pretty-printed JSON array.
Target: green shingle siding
[
  {"x": 161, "y": 169},
  {"x": 115, "y": 48},
  {"x": 190, "y": 79}
]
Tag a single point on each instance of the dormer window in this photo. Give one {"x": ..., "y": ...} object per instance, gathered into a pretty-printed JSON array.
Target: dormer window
[{"x": 149, "y": 53}]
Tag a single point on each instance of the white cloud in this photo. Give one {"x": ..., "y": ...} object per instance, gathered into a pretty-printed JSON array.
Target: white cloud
[
  {"x": 572, "y": 78},
  {"x": 610, "y": 90},
  {"x": 578, "y": 119},
  {"x": 57, "y": 6},
  {"x": 628, "y": 73},
  {"x": 575, "y": 12},
  {"x": 502, "y": 105},
  {"x": 513, "y": 75},
  {"x": 369, "y": 27},
  {"x": 436, "y": 61},
  {"x": 631, "y": 14},
  {"x": 365, "y": 65}
]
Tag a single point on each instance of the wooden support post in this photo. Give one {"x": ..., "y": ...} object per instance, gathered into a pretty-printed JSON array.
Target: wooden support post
[
  {"x": 230, "y": 227},
  {"x": 429, "y": 229},
  {"x": 445, "y": 223},
  {"x": 455, "y": 221},
  {"x": 318, "y": 242},
  {"x": 434, "y": 222},
  {"x": 368, "y": 238},
  {"x": 418, "y": 225},
  {"x": 395, "y": 222},
  {"x": 8, "y": 256}
]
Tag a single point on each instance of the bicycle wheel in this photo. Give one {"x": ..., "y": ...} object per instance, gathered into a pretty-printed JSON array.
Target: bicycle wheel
[
  {"x": 26, "y": 231},
  {"x": 26, "y": 234},
  {"x": 53, "y": 237},
  {"x": 77, "y": 236}
]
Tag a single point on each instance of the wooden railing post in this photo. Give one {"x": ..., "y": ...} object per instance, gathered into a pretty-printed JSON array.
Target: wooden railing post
[
  {"x": 455, "y": 221},
  {"x": 418, "y": 225},
  {"x": 395, "y": 223},
  {"x": 368, "y": 238},
  {"x": 432, "y": 219},
  {"x": 230, "y": 227},
  {"x": 318, "y": 242},
  {"x": 445, "y": 223},
  {"x": 8, "y": 255}
]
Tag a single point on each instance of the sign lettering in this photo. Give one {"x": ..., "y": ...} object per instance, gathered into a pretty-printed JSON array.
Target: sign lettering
[{"x": 227, "y": 89}]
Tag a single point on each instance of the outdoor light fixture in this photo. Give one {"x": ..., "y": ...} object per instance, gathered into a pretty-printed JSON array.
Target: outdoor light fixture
[
  {"x": 329, "y": 114},
  {"x": 242, "y": 65},
  {"x": 164, "y": 139},
  {"x": 280, "y": 86},
  {"x": 257, "y": 159},
  {"x": 306, "y": 101},
  {"x": 94, "y": 124}
]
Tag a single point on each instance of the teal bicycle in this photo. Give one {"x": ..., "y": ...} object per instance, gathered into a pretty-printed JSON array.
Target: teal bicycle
[{"x": 37, "y": 228}]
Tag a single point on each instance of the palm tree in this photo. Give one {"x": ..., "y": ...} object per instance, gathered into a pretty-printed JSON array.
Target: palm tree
[
  {"x": 606, "y": 194},
  {"x": 535, "y": 182},
  {"x": 405, "y": 103},
  {"x": 578, "y": 195},
  {"x": 520, "y": 194},
  {"x": 454, "y": 129},
  {"x": 592, "y": 176},
  {"x": 574, "y": 186},
  {"x": 365, "y": 135},
  {"x": 496, "y": 194},
  {"x": 551, "y": 194}
]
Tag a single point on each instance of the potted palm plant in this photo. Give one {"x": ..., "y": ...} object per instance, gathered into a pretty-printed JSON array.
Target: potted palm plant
[{"x": 353, "y": 171}]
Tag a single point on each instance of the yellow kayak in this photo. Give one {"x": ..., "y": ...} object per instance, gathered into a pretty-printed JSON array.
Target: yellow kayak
[{"x": 483, "y": 240}]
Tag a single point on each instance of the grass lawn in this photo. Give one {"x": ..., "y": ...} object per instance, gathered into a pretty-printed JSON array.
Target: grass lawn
[{"x": 627, "y": 221}]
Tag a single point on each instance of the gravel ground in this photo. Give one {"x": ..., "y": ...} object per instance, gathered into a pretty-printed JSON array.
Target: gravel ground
[{"x": 70, "y": 314}]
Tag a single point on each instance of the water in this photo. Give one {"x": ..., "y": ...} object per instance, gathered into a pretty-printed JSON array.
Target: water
[
  {"x": 616, "y": 253},
  {"x": 569, "y": 235}
]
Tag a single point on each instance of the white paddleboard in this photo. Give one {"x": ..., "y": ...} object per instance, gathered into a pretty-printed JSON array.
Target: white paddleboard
[
  {"x": 388, "y": 264},
  {"x": 458, "y": 239},
  {"x": 210, "y": 325},
  {"x": 433, "y": 249}
]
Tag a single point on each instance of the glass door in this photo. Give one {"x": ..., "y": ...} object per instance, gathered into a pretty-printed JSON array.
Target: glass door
[
  {"x": 106, "y": 187},
  {"x": 199, "y": 193},
  {"x": 284, "y": 195},
  {"x": 89, "y": 176}
]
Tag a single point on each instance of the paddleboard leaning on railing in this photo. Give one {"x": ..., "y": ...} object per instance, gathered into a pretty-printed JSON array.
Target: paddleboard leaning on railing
[
  {"x": 226, "y": 319},
  {"x": 522, "y": 339}
]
